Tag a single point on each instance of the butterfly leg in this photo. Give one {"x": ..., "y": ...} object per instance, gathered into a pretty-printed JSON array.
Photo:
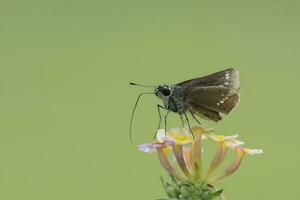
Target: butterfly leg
[
  {"x": 188, "y": 122},
  {"x": 195, "y": 117},
  {"x": 166, "y": 116},
  {"x": 159, "y": 114},
  {"x": 182, "y": 122}
]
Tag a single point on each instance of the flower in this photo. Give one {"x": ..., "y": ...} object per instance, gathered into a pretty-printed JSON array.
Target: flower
[
  {"x": 220, "y": 138},
  {"x": 240, "y": 153},
  {"x": 253, "y": 151},
  {"x": 161, "y": 141},
  {"x": 180, "y": 136},
  {"x": 150, "y": 147},
  {"x": 186, "y": 147}
]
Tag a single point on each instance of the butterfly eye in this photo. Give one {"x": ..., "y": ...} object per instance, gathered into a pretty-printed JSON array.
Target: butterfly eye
[{"x": 166, "y": 91}]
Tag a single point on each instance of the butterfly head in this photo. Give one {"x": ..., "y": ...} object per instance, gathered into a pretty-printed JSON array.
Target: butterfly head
[{"x": 163, "y": 91}]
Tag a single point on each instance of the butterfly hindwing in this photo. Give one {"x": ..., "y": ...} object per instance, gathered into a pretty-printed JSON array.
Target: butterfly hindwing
[{"x": 205, "y": 113}]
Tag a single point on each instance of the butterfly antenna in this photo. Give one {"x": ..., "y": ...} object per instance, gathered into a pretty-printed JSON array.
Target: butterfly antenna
[
  {"x": 132, "y": 114},
  {"x": 136, "y": 84}
]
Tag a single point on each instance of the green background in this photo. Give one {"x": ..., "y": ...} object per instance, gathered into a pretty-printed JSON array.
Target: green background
[{"x": 65, "y": 101}]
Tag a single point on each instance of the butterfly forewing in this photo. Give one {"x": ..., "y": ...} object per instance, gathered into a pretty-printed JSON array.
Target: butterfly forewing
[{"x": 228, "y": 78}]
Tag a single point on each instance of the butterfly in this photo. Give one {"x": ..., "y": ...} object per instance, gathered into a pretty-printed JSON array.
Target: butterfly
[{"x": 207, "y": 97}]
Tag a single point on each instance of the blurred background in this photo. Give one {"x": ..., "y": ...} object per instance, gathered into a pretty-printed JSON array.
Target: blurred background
[{"x": 65, "y": 102}]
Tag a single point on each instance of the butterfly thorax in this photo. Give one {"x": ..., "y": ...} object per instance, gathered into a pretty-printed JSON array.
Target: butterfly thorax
[{"x": 172, "y": 98}]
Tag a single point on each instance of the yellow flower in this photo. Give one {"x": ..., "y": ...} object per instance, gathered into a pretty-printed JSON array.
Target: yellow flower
[
  {"x": 180, "y": 136},
  {"x": 220, "y": 138}
]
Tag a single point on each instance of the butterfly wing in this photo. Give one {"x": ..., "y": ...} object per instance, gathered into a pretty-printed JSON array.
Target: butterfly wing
[
  {"x": 228, "y": 78},
  {"x": 216, "y": 98},
  {"x": 212, "y": 94}
]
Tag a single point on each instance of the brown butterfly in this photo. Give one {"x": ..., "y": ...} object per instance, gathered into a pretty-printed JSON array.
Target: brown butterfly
[{"x": 206, "y": 96}]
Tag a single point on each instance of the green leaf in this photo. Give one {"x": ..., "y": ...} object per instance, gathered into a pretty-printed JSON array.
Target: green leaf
[
  {"x": 214, "y": 195},
  {"x": 174, "y": 179},
  {"x": 171, "y": 190}
]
